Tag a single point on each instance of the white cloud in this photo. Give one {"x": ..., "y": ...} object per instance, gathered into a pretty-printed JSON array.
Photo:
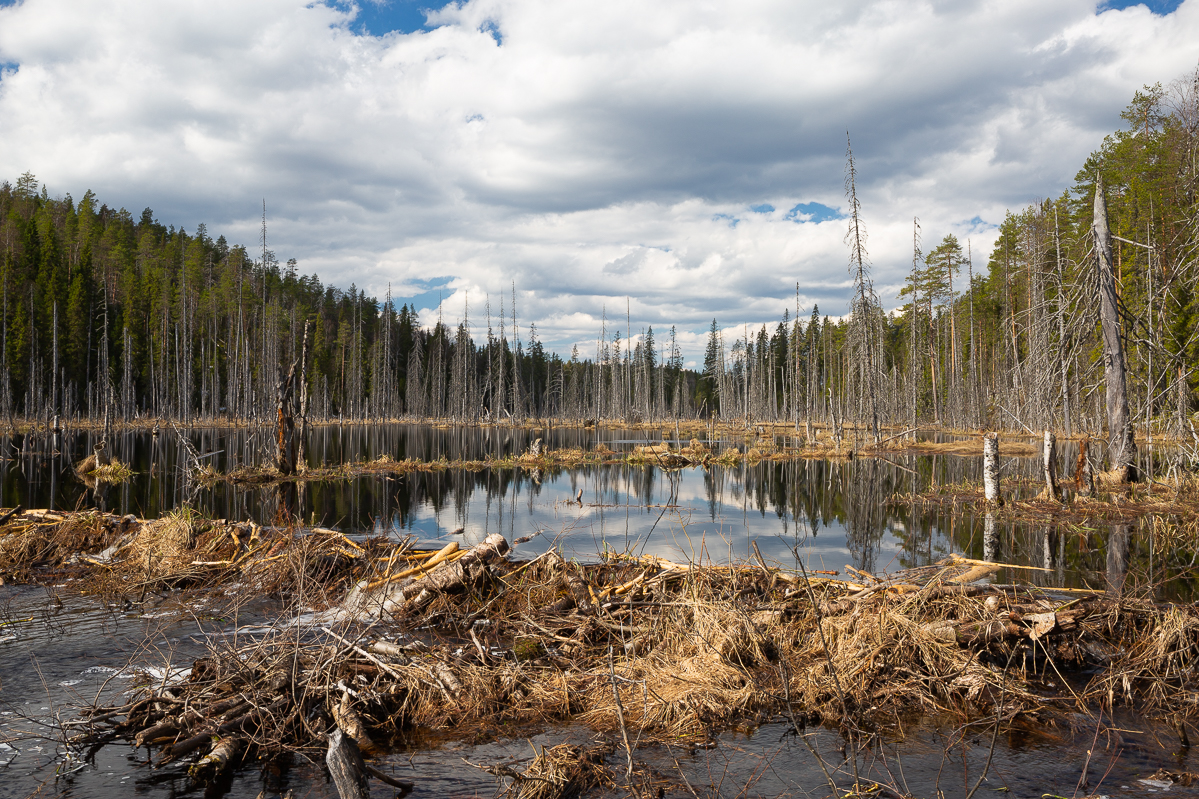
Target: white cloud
[{"x": 586, "y": 152}]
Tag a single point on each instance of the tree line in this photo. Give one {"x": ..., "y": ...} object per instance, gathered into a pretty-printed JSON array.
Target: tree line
[{"x": 105, "y": 315}]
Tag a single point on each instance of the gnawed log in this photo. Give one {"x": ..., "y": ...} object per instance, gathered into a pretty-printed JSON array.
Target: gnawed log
[
  {"x": 398, "y": 598},
  {"x": 166, "y": 727},
  {"x": 1005, "y": 625},
  {"x": 212, "y": 764},
  {"x": 346, "y": 766}
]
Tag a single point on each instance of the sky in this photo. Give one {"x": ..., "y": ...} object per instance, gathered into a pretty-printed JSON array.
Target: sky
[{"x": 651, "y": 164}]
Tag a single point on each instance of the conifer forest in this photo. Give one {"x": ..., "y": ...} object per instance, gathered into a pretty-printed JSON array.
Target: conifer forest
[{"x": 108, "y": 314}]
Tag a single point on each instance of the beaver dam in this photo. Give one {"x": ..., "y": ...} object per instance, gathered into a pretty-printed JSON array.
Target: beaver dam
[{"x": 373, "y": 646}]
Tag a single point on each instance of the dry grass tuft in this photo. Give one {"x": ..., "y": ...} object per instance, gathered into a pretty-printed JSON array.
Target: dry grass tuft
[{"x": 562, "y": 772}]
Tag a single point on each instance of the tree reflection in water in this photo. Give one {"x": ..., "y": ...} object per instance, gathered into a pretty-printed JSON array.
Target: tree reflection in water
[{"x": 864, "y": 512}]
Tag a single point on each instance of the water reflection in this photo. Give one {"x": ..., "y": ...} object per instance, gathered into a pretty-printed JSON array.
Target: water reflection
[{"x": 863, "y": 512}]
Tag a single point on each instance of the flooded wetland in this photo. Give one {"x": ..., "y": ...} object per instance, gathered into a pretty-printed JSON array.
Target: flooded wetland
[{"x": 564, "y": 610}]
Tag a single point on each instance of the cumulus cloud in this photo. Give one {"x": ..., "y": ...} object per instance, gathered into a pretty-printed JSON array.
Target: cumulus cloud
[{"x": 686, "y": 157}]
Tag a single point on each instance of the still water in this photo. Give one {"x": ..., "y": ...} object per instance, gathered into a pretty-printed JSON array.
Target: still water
[
  {"x": 58, "y": 650},
  {"x": 826, "y": 513}
]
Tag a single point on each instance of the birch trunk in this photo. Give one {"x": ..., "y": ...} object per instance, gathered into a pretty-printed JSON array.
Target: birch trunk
[
  {"x": 1049, "y": 465},
  {"x": 991, "y": 468}
]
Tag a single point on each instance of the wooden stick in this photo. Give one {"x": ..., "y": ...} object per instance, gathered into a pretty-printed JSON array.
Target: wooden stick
[{"x": 364, "y": 653}]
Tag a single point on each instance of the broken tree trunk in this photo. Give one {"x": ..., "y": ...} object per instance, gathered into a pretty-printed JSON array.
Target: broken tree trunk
[
  {"x": 991, "y": 468},
  {"x": 346, "y": 767},
  {"x": 1049, "y": 466},
  {"x": 1084, "y": 478},
  {"x": 285, "y": 424},
  {"x": 1122, "y": 447}
]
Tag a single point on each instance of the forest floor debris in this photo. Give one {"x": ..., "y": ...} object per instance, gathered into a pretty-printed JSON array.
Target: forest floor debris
[{"x": 640, "y": 649}]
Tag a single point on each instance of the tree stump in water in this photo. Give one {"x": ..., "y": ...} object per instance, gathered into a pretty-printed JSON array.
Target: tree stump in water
[
  {"x": 1084, "y": 477},
  {"x": 1049, "y": 466},
  {"x": 991, "y": 468},
  {"x": 285, "y": 424}
]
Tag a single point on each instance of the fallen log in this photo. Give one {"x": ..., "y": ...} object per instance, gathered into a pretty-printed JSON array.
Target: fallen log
[{"x": 346, "y": 766}]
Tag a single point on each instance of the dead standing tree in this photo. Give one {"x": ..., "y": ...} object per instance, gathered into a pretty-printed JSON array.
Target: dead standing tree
[
  {"x": 864, "y": 312},
  {"x": 285, "y": 424},
  {"x": 1121, "y": 447}
]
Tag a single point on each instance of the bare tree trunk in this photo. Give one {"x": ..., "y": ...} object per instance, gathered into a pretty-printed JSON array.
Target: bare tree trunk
[
  {"x": 991, "y": 469},
  {"x": 301, "y": 445},
  {"x": 1049, "y": 465},
  {"x": 285, "y": 425},
  {"x": 1122, "y": 446}
]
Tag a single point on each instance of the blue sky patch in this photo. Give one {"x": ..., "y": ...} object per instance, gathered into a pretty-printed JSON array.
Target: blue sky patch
[
  {"x": 1159, "y": 7},
  {"x": 435, "y": 290},
  {"x": 378, "y": 17},
  {"x": 977, "y": 225},
  {"x": 764, "y": 208},
  {"x": 731, "y": 220},
  {"x": 817, "y": 212},
  {"x": 490, "y": 28}
]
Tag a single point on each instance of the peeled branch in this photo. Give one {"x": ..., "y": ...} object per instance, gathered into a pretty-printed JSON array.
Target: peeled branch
[{"x": 397, "y": 598}]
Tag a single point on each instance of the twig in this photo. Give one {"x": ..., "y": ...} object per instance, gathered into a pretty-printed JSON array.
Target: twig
[
  {"x": 624, "y": 733},
  {"x": 364, "y": 653},
  {"x": 832, "y": 667},
  {"x": 998, "y": 723}
]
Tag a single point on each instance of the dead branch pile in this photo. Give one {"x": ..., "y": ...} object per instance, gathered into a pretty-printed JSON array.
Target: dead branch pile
[{"x": 466, "y": 640}]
